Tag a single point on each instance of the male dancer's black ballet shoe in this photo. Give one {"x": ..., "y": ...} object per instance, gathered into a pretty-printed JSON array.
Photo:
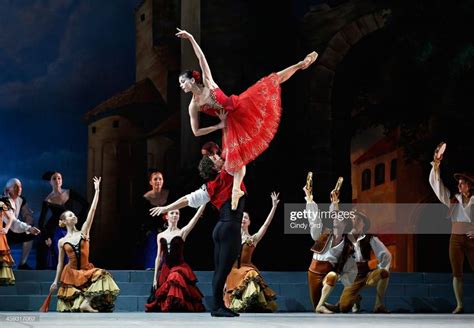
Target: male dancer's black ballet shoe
[
  {"x": 222, "y": 312},
  {"x": 235, "y": 314}
]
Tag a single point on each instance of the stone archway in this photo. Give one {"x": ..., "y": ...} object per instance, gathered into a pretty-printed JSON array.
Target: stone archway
[
  {"x": 340, "y": 44},
  {"x": 351, "y": 22}
]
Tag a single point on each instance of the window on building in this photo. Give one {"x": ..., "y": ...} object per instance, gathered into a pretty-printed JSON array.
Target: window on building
[
  {"x": 393, "y": 169},
  {"x": 94, "y": 130},
  {"x": 366, "y": 177},
  {"x": 115, "y": 124},
  {"x": 142, "y": 17},
  {"x": 379, "y": 174}
]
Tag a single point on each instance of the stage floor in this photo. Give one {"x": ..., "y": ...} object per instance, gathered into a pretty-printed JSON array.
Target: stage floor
[{"x": 104, "y": 320}]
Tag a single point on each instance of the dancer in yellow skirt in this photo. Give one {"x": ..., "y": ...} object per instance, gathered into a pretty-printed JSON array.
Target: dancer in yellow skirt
[{"x": 83, "y": 288}]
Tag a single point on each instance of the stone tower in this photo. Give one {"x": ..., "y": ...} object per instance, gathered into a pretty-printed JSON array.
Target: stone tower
[{"x": 131, "y": 132}]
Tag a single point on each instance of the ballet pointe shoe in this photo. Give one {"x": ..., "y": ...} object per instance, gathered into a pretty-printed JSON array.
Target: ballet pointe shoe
[
  {"x": 381, "y": 309},
  {"x": 458, "y": 310},
  {"x": 86, "y": 307},
  {"x": 309, "y": 59},
  {"x": 236, "y": 194},
  {"x": 323, "y": 309}
]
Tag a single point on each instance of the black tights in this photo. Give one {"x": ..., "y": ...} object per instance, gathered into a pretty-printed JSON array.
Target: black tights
[{"x": 227, "y": 243}]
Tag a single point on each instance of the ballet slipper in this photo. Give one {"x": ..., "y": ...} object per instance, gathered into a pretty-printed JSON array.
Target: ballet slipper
[
  {"x": 86, "y": 307},
  {"x": 236, "y": 194},
  {"x": 309, "y": 59}
]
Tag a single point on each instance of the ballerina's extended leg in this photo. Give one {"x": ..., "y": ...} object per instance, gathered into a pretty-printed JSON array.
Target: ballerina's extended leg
[{"x": 304, "y": 64}]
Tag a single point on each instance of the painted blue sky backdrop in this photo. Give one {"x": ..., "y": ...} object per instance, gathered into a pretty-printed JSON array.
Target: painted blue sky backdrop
[{"x": 58, "y": 59}]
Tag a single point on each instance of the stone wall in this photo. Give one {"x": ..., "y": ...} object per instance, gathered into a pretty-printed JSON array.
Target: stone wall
[{"x": 116, "y": 155}]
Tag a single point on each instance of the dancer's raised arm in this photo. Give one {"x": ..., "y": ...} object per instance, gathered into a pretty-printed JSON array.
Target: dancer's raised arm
[
  {"x": 187, "y": 229},
  {"x": 436, "y": 182},
  {"x": 206, "y": 71},
  {"x": 86, "y": 227},
  {"x": 312, "y": 213},
  {"x": 263, "y": 229}
]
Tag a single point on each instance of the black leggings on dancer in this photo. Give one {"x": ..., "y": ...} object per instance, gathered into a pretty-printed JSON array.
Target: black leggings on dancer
[{"x": 227, "y": 244}]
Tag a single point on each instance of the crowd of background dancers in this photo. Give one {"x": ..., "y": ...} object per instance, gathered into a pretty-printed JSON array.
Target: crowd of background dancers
[{"x": 248, "y": 121}]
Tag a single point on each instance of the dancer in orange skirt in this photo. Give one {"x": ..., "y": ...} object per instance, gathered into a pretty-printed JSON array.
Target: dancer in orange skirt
[
  {"x": 249, "y": 120},
  {"x": 245, "y": 289},
  {"x": 6, "y": 261},
  {"x": 83, "y": 288}
]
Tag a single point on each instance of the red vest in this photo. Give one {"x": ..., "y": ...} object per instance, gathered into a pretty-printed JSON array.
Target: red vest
[{"x": 220, "y": 189}]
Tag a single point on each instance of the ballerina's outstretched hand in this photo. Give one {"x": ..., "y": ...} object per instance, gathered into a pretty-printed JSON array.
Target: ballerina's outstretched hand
[{"x": 183, "y": 34}]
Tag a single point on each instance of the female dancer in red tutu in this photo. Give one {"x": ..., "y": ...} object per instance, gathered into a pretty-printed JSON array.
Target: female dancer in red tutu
[
  {"x": 175, "y": 287},
  {"x": 249, "y": 120}
]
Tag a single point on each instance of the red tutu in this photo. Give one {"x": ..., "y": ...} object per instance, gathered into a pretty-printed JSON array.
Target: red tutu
[
  {"x": 177, "y": 290},
  {"x": 252, "y": 120}
]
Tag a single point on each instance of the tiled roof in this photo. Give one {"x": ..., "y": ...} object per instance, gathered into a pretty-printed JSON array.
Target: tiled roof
[
  {"x": 142, "y": 92},
  {"x": 381, "y": 147}
]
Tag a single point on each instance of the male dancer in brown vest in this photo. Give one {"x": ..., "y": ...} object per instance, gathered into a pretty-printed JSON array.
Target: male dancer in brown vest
[
  {"x": 363, "y": 245},
  {"x": 331, "y": 251}
]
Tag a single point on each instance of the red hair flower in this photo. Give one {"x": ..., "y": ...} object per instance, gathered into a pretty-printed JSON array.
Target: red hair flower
[{"x": 196, "y": 76}]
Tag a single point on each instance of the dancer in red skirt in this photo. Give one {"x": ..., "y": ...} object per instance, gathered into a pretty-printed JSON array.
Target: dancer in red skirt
[
  {"x": 249, "y": 120},
  {"x": 174, "y": 281}
]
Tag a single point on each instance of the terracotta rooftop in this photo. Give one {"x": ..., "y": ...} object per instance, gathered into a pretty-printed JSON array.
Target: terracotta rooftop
[
  {"x": 142, "y": 92},
  {"x": 381, "y": 147}
]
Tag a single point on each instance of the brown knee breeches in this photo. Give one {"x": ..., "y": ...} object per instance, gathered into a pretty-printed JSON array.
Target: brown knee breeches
[
  {"x": 319, "y": 273},
  {"x": 370, "y": 279},
  {"x": 460, "y": 246}
]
